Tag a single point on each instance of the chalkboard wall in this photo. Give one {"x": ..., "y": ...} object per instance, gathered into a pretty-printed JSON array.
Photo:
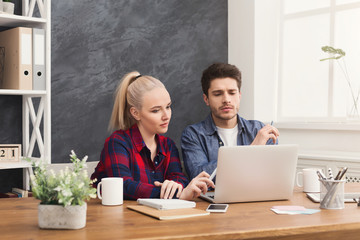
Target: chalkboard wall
[{"x": 94, "y": 43}]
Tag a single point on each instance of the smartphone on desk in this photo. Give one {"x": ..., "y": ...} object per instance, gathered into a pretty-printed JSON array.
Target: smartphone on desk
[{"x": 217, "y": 207}]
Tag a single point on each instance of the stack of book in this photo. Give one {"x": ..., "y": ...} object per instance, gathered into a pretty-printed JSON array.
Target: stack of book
[
  {"x": 166, "y": 209},
  {"x": 16, "y": 193}
]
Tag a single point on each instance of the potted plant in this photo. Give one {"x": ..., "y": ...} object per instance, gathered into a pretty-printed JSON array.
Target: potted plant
[
  {"x": 8, "y": 6},
  {"x": 62, "y": 195},
  {"x": 337, "y": 54}
]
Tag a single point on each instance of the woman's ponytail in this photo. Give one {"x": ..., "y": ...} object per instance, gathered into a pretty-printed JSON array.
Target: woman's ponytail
[{"x": 120, "y": 117}]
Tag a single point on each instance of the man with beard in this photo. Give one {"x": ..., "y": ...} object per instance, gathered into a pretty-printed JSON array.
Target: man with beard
[{"x": 200, "y": 142}]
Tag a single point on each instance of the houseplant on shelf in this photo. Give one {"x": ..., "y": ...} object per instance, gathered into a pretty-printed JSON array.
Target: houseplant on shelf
[
  {"x": 8, "y": 6},
  {"x": 62, "y": 195},
  {"x": 337, "y": 54}
]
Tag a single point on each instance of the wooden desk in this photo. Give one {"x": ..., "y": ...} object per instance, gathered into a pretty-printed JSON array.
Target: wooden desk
[{"x": 18, "y": 220}]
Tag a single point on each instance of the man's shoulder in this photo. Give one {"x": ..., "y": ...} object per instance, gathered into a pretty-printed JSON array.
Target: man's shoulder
[
  {"x": 197, "y": 125},
  {"x": 195, "y": 128},
  {"x": 250, "y": 124}
]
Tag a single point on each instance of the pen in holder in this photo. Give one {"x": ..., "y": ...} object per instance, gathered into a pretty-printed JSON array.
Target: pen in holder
[{"x": 332, "y": 194}]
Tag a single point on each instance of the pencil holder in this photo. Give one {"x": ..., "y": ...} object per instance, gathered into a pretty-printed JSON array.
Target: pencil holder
[{"x": 332, "y": 194}]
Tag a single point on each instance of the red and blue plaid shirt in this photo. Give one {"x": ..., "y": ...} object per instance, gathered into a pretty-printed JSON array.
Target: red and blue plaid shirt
[{"x": 126, "y": 155}]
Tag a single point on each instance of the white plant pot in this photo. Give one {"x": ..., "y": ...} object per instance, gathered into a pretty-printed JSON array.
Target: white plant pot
[
  {"x": 8, "y": 7},
  {"x": 60, "y": 217},
  {"x": 1, "y": 5}
]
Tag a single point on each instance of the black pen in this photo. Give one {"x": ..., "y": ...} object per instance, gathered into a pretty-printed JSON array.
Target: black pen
[
  {"x": 343, "y": 171},
  {"x": 338, "y": 174}
]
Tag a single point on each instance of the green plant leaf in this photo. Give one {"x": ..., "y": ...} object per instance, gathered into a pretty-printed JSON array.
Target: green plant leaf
[
  {"x": 69, "y": 187},
  {"x": 335, "y": 53}
]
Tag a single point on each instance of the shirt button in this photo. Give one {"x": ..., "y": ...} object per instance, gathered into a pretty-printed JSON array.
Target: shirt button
[{"x": 153, "y": 172}]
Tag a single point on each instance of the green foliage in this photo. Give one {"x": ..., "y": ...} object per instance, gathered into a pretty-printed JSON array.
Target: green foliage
[
  {"x": 68, "y": 187},
  {"x": 335, "y": 53}
]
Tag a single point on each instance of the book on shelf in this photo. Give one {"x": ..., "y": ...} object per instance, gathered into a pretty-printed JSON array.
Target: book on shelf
[
  {"x": 38, "y": 41},
  {"x": 9, "y": 195},
  {"x": 166, "y": 204},
  {"x": 20, "y": 192},
  {"x": 16, "y": 44},
  {"x": 168, "y": 214},
  {"x": 22, "y": 59},
  {"x": 16, "y": 194}
]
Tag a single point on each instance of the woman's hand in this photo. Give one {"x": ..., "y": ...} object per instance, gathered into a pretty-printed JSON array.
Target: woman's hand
[
  {"x": 199, "y": 184},
  {"x": 168, "y": 189}
]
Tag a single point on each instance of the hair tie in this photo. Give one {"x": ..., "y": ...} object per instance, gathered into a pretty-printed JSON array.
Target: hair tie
[{"x": 138, "y": 76}]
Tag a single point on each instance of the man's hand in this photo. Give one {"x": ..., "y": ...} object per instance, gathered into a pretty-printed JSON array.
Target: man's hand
[
  {"x": 266, "y": 133},
  {"x": 199, "y": 184},
  {"x": 168, "y": 189}
]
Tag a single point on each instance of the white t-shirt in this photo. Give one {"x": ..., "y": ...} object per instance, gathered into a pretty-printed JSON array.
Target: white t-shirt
[{"x": 228, "y": 135}]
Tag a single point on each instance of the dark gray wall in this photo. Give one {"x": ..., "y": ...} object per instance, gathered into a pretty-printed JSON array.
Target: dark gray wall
[{"x": 95, "y": 43}]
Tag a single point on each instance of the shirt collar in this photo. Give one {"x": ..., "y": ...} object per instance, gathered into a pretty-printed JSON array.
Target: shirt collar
[
  {"x": 139, "y": 141},
  {"x": 210, "y": 127}
]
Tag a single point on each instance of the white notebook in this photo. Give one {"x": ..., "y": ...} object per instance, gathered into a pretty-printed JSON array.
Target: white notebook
[
  {"x": 166, "y": 204},
  {"x": 348, "y": 197}
]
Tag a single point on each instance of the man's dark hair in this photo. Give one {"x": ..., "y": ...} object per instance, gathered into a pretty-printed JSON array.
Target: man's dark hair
[{"x": 219, "y": 70}]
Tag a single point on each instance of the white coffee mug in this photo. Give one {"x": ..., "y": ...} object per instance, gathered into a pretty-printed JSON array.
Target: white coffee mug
[
  {"x": 310, "y": 180},
  {"x": 111, "y": 191}
]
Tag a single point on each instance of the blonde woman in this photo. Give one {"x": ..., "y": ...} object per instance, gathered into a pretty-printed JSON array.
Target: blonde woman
[{"x": 147, "y": 161}]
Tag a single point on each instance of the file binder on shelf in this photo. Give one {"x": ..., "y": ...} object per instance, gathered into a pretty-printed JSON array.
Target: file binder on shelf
[
  {"x": 38, "y": 59},
  {"x": 18, "y": 58}
]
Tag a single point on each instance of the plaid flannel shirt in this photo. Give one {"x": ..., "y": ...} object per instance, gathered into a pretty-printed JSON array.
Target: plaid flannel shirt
[{"x": 126, "y": 155}]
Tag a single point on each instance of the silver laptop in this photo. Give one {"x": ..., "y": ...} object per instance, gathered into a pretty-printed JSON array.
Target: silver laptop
[{"x": 254, "y": 173}]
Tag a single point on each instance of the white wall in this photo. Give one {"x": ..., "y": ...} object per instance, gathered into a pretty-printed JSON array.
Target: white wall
[
  {"x": 253, "y": 47},
  {"x": 253, "y": 39},
  {"x": 241, "y": 30}
]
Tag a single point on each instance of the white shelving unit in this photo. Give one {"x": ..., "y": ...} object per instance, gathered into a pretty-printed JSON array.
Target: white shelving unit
[
  {"x": 8, "y": 20},
  {"x": 32, "y": 119}
]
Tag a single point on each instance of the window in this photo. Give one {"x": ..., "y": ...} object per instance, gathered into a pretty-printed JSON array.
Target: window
[{"x": 310, "y": 89}]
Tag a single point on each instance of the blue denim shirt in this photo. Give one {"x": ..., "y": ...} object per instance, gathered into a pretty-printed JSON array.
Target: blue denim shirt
[{"x": 200, "y": 143}]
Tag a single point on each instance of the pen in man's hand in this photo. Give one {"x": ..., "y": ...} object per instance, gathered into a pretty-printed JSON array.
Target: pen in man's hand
[{"x": 213, "y": 174}]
